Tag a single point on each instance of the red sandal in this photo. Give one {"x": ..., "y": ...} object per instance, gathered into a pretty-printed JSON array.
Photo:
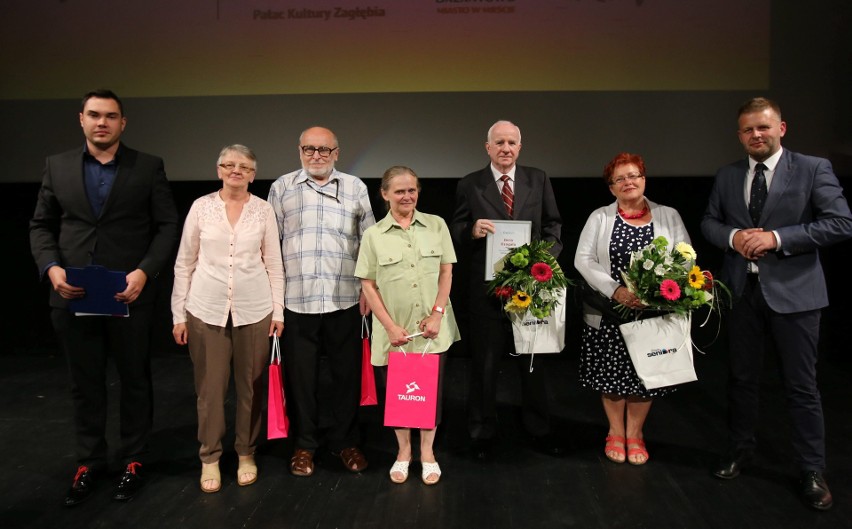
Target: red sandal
[
  {"x": 612, "y": 447},
  {"x": 638, "y": 450}
]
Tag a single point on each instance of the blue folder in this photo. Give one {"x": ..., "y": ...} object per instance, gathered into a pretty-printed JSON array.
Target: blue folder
[{"x": 101, "y": 286}]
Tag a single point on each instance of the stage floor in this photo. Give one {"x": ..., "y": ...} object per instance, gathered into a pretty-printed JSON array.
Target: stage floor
[{"x": 520, "y": 488}]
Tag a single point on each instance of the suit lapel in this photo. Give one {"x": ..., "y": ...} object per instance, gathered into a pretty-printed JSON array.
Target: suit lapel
[
  {"x": 77, "y": 186},
  {"x": 490, "y": 194},
  {"x": 125, "y": 169},
  {"x": 522, "y": 190},
  {"x": 780, "y": 182}
]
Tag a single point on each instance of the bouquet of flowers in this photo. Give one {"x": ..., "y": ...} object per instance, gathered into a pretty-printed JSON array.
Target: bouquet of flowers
[
  {"x": 669, "y": 280},
  {"x": 530, "y": 280}
]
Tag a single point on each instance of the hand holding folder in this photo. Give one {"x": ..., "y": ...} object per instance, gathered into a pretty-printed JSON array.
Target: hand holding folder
[{"x": 101, "y": 286}]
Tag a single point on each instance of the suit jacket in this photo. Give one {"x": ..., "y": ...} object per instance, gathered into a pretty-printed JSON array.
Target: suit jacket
[
  {"x": 805, "y": 206},
  {"x": 477, "y": 197},
  {"x": 138, "y": 227}
]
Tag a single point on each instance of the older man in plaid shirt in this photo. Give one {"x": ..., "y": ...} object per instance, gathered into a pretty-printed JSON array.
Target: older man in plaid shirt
[{"x": 322, "y": 214}]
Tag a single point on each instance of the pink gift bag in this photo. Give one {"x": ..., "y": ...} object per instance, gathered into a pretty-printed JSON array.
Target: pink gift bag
[
  {"x": 277, "y": 423},
  {"x": 412, "y": 390},
  {"x": 368, "y": 376}
]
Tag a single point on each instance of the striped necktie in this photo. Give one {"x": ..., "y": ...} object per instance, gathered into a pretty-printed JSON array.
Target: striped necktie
[{"x": 508, "y": 195}]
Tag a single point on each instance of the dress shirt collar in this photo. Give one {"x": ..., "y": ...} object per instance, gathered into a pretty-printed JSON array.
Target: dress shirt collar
[
  {"x": 497, "y": 174},
  {"x": 115, "y": 159},
  {"x": 389, "y": 222},
  {"x": 770, "y": 162}
]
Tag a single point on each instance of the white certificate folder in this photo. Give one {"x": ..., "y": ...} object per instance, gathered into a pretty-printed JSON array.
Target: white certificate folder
[{"x": 507, "y": 234}]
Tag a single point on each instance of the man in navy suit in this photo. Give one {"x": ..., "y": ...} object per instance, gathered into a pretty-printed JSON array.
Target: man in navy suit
[
  {"x": 771, "y": 213},
  {"x": 105, "y": 204},
  {"x": 480, "y": 199}
]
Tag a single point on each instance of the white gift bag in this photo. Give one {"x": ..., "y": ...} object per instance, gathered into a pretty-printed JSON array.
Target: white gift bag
[
  {"x": 535, "y": 336},
  {"x": 661, "y": 349}
]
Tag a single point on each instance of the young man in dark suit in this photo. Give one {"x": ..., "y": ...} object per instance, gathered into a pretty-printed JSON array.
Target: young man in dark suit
[
  {"x": 771, "y": 213},
  {"x": 105, "y": 204},
  {"x": 506, "y": 191}
]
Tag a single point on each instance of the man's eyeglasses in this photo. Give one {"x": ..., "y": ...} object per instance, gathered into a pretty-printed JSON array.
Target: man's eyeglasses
[
  {"x": 231, "y": 166},
  {"x": 626, "y": 178},
  {"x": 324, "y": 152}
]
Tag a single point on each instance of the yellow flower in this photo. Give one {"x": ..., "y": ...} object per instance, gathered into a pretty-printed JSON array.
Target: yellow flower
[
  {"x": 686, "y": 251},
  {"x": 696, "y": 277},
  {"x": 521, "y": 299}
]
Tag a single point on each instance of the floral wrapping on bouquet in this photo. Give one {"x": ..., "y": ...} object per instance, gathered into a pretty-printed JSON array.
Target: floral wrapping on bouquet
[{"x": 669, "y": 280}]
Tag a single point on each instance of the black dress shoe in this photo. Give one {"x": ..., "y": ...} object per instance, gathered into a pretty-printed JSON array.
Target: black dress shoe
[
  {"x": 482, "y": 449},
  {"x": 131, "y": 482},
  {"x": 81, "y": 489},
  {"x": 730, "y": 467},
  {"x": 547, "y": 445},
  {"x": 815, "y": 491}
]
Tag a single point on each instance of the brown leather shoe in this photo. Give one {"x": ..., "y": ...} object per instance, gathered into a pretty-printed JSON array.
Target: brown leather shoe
[
  {"x": 353, "y": 459},
  {"x": 302, "y": 463}
]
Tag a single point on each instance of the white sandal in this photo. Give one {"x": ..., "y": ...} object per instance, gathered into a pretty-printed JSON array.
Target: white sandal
[
  {"x": 430, "y": 469},
  {"x": 400, "y": 467}
]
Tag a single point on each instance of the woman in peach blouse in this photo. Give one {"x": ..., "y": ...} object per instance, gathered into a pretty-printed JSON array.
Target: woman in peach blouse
[{"x": 228, "y": 299}]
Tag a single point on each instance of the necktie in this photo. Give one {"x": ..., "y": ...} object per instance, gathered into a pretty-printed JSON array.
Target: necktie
[
  {"x": 508, "y": 195},
  {"x": 757, "y": 197}
]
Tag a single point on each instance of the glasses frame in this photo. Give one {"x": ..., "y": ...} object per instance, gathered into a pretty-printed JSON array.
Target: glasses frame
[
  {"x": 306, "y": 148},
  {"x": 621, "y": 180},
  {"x": 240, "y": 167}
]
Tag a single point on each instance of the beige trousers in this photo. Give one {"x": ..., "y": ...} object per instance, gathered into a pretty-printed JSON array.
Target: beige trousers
[{"x": 213, "y": 349}]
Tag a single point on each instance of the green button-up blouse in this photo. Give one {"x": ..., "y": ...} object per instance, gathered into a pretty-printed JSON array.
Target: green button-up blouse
[{"x": 405, "y": 265}]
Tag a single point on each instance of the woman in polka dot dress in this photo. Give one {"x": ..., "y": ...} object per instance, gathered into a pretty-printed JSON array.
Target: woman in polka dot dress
[{"x": 611, "y": 233}]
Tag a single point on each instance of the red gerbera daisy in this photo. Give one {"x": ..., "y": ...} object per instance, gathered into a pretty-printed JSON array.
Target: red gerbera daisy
[
  {"x": 670, "y": 290},
  {"x": 503, "y": 292},
  {"x": 541, "y": 272}
]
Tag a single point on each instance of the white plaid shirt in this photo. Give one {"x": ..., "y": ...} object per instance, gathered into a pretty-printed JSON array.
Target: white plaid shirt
[{"x": 320, "y": 229}]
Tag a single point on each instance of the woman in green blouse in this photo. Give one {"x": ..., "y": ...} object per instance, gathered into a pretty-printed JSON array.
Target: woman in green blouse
[{"x": 406, "y": 270}]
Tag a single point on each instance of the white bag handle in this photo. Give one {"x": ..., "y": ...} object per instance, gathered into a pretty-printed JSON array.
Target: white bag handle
[
  {"x": 276, "y": 351},
  {"x": 425, "y": 347},
  {"x": 365, "y": 329}
]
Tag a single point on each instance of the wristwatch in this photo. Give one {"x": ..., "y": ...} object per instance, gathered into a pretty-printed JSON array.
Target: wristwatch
[{"x": 440, "y": 310}]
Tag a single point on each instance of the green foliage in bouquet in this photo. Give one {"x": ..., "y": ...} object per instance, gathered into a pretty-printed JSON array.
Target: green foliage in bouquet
[
  {"x": 530, "y": 280},
  {"x": 670, "y": 280}
]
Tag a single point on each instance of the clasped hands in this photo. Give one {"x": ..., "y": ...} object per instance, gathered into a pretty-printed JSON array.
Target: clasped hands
[
  {"x": 429, "y": 326},
  {"x": 754, "y": 243}
]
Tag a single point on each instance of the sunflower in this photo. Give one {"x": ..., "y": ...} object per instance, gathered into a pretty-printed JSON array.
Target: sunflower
[
  {"x": 521, "y": 299},
  {"x": 696, "y": 277}
]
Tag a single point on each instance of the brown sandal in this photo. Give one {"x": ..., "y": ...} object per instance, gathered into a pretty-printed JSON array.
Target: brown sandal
[
  {"x": 302, "y": 463},
  {"x": 353, "y": 459}
]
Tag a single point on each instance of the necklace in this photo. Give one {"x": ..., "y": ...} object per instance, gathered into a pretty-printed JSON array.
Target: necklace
[{"x": 635, "y": 215}]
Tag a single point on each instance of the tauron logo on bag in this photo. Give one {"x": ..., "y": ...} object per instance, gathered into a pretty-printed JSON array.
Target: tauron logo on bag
[
  {"x": 410, "y": 388},
  {"x": 658, "y": 352}
]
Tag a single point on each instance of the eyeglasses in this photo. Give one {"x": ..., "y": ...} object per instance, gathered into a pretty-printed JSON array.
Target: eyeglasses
[
  {"x": 626, "y": 178},
  {"x": 231, "y": 166},
  {"x": 324, "y": 152}
]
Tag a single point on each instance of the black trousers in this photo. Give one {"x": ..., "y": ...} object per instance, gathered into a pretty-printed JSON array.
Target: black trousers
[
  {"x": 336, "y": 335},
  {"x": 491, "y": 341},
  {"x": 88, "y": 341},
  {"x": 795, "y": 336}
]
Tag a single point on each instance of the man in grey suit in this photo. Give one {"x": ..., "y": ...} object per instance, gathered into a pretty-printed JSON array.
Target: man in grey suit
[
  {"x": 105, "y": 204},
  {"x": 481, "y": 197},
  {"x": 771, "y": 213}
]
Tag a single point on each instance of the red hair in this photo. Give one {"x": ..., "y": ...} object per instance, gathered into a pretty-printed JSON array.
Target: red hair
[{"x": 621, "y": 159}]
